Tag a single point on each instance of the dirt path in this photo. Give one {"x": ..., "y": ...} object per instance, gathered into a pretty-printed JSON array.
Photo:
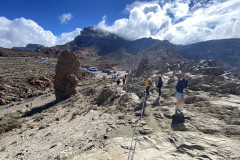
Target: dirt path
[{"x": 36, "y": 101}]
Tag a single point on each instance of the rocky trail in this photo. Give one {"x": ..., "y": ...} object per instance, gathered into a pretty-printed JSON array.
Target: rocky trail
[
  {"x": 98, "y": 123},
  {"x": 36, "y": 101}
]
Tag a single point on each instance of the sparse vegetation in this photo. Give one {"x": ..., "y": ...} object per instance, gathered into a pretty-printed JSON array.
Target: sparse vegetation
[
  {"x": 8, "y": 123},
  {"x": 23, "y": 77}
]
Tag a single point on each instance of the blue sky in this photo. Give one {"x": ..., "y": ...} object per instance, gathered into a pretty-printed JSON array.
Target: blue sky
[
  {"x": 56, "y": 22},
  {"x": 46, "y": 12}
]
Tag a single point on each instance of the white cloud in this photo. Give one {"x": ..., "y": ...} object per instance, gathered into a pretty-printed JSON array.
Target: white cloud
[
  {"x": 20, "y": 32},
  {"x": 67, "y": 37},
  {"x": 180, "y": 22},
  {"x": 65, "y": 17}
]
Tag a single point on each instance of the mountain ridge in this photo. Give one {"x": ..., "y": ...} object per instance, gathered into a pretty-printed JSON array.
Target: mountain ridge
[{"x": 226, "y": 52}]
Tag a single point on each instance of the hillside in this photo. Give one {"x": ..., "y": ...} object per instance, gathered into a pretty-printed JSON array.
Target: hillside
[
  {"x": 103, "y": 43},
  {"x": 226, "y": 52},
  {"x": 160, "y": 55}
]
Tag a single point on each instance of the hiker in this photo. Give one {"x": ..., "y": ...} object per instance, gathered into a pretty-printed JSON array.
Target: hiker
[
  {"x": 118, "y": 82},
  {"x": 181, "y": 88},
  {"x": 124, "y": 80},
  {"x": 125, "y": 76},
  {"x": 148, "y": 85},
  {"x": 159, "y": 85}
]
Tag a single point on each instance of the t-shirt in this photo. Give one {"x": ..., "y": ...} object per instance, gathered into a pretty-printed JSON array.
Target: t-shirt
[{"x": 182, "y": 83}]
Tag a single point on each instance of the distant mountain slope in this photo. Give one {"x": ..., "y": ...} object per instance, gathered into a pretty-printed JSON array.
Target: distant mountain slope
[
  {"x": 29, "y": 47},
  {"x": 159, "y": 55},
  {"x": 5, "y": 52},
  {"x": 104, "y": 43},
  {"x": 116, "y": 57},
  {"x": 134, "y": 47},
  {"x": 226, "y": 52}
]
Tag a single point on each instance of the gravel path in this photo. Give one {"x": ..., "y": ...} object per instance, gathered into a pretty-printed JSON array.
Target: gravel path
[{"x": 36, "y": 101}]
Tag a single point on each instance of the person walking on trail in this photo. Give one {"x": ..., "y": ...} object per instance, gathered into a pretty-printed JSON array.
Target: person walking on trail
[
  {"x": 148, "y": 85},
  {"x": 181, "y": 88},
  {"x": 124, "y": 80},
  {"x": 118, "y": 82},
  {"x": 159, "y": 85}
]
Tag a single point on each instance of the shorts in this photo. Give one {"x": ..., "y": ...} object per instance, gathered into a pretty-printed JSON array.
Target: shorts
[{"x": 180, "y": 95}]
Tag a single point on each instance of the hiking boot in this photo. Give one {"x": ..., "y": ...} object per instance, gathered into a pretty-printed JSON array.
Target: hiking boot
[
  {"x": 177, "y": 110},
  {"x": 180, "y": 108}
]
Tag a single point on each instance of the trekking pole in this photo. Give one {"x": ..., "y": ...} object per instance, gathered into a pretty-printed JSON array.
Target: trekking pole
[
  {"x": 143, "y": 109},
  {"x": 139, "y": 123}
]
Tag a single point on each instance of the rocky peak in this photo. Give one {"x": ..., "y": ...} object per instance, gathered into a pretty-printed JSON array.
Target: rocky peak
[{"x": 94, "y": 31}]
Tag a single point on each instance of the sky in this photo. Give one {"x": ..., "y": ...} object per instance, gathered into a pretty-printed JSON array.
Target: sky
[{"x": 54, "y": 22}]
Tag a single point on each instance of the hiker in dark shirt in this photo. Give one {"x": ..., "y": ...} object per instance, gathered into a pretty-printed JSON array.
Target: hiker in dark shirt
[
  {"x": 118, "y": 82},
  {"x": 181, "y": 88},
  {"x": 159, "y": 85}
]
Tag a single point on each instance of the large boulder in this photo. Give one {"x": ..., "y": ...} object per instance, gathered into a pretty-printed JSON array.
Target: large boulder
[
  {"x": 211, "y": 71},
  {"x": 104, "y": 95},
  {"x": 67, "y": 71},
  {"x": 194, "y": 99}
]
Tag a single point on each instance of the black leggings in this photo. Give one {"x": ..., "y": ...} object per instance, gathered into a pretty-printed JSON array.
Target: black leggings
[{"x": 159, "y": 91}]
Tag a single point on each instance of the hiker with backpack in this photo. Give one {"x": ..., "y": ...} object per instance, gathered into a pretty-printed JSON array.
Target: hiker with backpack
[
  {"x": 148, "y": 85},
  {"x": 181, "y": 88},
  {"x": 159, "y": 85}
]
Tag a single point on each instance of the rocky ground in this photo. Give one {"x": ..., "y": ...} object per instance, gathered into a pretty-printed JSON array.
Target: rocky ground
[
  {"x": 98, "y": 123},
  {"x": 22, "y": 78}
]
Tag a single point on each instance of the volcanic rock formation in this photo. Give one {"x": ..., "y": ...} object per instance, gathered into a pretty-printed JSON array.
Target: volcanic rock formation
[{"x": 66, "y": 80}]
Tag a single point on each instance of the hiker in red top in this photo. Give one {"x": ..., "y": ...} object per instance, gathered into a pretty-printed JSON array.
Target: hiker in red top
[{"x": 124, "y": 80}]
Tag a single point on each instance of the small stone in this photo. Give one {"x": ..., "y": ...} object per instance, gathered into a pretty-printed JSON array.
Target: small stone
[
  {"x": 105, "y": 136},
  {"x": 145, "y": 131},
  {"x": 54, "y": 145}
]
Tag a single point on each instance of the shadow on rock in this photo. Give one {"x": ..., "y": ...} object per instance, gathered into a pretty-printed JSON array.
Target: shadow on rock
[
  {"x": 39, "y": 109},
  {"x": 156, "y": 103},
  {"x": 178, "y": 121}
]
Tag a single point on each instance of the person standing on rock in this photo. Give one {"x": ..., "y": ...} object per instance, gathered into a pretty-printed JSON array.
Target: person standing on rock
[
  {"x": 159, "y": 85},
  {"x": 148, "y": 85},
  {"x": 118, "y": 82},
  {"x": 181, "y": 88}
]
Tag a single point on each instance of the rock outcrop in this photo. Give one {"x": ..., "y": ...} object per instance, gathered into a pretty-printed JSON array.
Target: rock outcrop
[
  {"x": 142, "y": 67},
  {"x": 66, "y": 79}
]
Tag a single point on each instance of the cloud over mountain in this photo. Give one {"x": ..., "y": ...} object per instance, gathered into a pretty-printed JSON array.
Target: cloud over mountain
[
  {"x": 21, "y": 31},
  {"x": 180, "y": 22}
]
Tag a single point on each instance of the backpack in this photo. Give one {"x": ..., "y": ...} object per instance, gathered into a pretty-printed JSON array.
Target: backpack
[{"x": 150, "y": 82}]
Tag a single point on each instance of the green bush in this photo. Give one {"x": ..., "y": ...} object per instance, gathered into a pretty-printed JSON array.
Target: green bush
[{"x": 8, "y": 123}]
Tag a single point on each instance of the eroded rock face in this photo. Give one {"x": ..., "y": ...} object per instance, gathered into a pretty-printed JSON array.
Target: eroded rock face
[
  {"x": 66, "y": 79},
  {"x": 142, "y": 66},
  {"x": 104, "y": 95}
]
